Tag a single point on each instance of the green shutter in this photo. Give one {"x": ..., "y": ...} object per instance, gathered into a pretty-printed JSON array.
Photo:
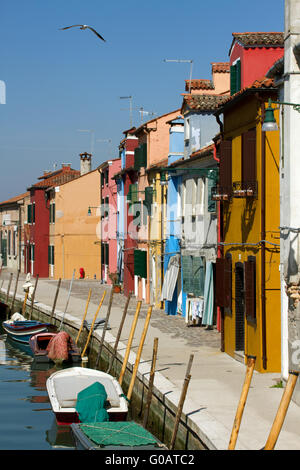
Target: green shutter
[
  {"x": 140, "y": 263},
  {"x": 144, "y": 155},
  {"x": 238, "y": 75},
  {"x": 233, "y": 84},
  {"x": 49, "y": 254},
  {"x": 137, "y": 158},
  {"x": 53, "y": 214},
  {"x": 29, "y": 212},
  {"x": 198, "y": 276},
  {"x": 187, "y": 273},
  {"x": 33, "y": 213}
]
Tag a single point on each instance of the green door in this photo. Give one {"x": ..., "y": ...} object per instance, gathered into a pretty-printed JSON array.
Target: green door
[{"x": 4, "y": 251}]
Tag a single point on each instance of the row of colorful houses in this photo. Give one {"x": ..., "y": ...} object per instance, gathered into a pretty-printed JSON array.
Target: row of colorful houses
[{"x": 185, "y": 217}]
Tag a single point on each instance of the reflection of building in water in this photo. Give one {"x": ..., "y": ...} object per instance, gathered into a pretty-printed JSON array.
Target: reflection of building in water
[{"x": 3, "y": 355}]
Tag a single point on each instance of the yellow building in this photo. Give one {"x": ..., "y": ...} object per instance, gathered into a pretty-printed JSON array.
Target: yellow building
[
  {"x": 76, "y": 228},
  {"x": 248, "y": 277}
]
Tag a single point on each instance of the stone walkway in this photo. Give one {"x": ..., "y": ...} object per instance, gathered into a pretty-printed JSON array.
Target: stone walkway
[{"x": 217, "y": 379}]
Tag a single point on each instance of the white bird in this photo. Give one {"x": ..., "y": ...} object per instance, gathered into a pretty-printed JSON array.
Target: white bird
[{"x": 84, "y": 26}]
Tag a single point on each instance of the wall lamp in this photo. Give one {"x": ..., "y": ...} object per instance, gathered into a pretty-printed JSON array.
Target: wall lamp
[
  {"x": 270, "y": 123},
  {"x": 90, "y": 209}
]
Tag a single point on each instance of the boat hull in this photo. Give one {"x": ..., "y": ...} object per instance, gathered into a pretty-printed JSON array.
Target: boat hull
[
  {"x": 38, "y": 344},
  {"x": 63, "y": 387},
  {"x": 21, "y": 333},
  {"x": 82, "y": 442}
]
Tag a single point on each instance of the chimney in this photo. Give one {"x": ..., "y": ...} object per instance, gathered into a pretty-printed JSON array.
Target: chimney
[{"x": 85, "y": 163}]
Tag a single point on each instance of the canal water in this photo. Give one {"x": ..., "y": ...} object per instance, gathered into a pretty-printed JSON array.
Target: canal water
[{"x": 26, "y": 419}]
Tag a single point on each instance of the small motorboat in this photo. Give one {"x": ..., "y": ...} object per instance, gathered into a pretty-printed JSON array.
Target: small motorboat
[
  {"x": 44, "y": 349},
  {"x": 64, "y": 385},
  {"x": 20, "y": 329},
  {"x": 126, "y": 435}
]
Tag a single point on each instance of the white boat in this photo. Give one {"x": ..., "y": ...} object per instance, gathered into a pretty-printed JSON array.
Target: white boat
[{"x": 63, "y": 387}]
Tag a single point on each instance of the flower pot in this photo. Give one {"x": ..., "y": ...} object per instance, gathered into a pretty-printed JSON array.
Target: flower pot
[{"x": 117, "y": 289}]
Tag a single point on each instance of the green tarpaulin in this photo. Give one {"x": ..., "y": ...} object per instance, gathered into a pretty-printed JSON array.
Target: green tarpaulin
[
  {"x": 90, "y": 404},
  {"x": 126, "y": 433}
]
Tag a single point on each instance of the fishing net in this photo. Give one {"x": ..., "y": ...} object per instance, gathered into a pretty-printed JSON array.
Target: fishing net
[
  {"x": 126, "y": 433},
  {"x": 90, "y": 404}
]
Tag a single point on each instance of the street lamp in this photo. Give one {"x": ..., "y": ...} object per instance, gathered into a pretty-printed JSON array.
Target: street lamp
[{"x": 269, "y": 123}]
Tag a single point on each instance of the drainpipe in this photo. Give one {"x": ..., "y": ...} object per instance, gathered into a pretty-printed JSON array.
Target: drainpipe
[
  {"x": 219, "y": 249},
  {"x": 263, "y": 237}
]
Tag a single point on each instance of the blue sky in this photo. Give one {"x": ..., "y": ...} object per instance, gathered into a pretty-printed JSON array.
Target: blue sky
[{"x": 58, "y": 82}]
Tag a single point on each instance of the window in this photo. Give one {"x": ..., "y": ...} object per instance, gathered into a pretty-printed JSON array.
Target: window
[
  {"x": 52, "y": 213},
  {"x": 51, "y": 255},
  {"x": 140, "y": 263},
  {"x": 235, "y": 77},
  {"x": 140, "y": 157},
  {"x": 193, "y": 274},
  {"x": 187, "y": 129},
  {"x": 249, "y": 156},
  {"x": 225, "y": 175},
  {"x": 29, "y": 214},
  {"x": 211, "y": 204},
  {"x": 9, "y": 243}
]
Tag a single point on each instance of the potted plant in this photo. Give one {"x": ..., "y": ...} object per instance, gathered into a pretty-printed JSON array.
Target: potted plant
[{"x": 114, "y": 277}]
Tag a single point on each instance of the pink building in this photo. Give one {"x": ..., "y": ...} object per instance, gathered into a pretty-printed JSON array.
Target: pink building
[{"x": 109, "y": 218}]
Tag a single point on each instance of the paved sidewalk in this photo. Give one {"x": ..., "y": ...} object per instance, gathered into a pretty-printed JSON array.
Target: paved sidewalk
[{"x": 217, "y": 379}]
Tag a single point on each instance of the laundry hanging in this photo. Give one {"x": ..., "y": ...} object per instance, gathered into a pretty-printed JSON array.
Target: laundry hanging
[{"x": 170, "y": 279}]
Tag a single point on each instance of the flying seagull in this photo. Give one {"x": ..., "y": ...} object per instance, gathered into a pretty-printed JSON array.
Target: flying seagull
[{"x": 84, "y": 26}]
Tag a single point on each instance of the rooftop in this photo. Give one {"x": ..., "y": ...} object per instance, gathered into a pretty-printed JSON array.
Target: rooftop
[
  {"x": 15, "y": 199},
  {"x": 258, "y": 39},
  {"x": 204, "y": 102}
]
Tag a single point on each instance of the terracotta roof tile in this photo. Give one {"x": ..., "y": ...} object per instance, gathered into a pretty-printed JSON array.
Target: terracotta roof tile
[
  {"x": 204, "y": 102},
  {"x": 199, "y": 84},
  {"x": 57, "y": 177},
  {"x": 15, "y": 198},
  {"x": 262, "y": 83},
  {"x": 221, "y": 67},
  {"x": 266, "y": 39}
]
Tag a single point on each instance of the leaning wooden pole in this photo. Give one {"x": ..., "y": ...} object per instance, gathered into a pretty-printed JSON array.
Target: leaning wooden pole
[
  {"x": 114, "y": 353},
  {"x": 33, "y": 296},
  {"x": 24, "y": 304},
  {"x": 130, "y": 339},
  {"x": 15, "y": 291},
  {"x": 8, "y": 288},
  {"x": 85, "y": 314},
  {"x": 92, "y": 326},
  {"x": 282, "y": 410},
  {"x": 151, "y": 383},
  {"x": 139, "y": 353},
  {"x": 55, "y": 299},
  {"x": 105, "y": 325},
  {"x": 181, "y": 402},
  {"x": 240, "y": 409}
]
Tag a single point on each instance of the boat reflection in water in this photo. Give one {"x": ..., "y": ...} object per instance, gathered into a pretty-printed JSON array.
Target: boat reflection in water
[{"x": 24, "y": 402}]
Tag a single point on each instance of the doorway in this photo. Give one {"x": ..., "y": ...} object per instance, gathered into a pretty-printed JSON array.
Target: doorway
[{"x": 239, "y": 308}]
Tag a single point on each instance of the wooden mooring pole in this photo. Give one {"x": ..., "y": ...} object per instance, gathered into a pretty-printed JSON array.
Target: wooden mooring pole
[
  {"x": 240, "y": 409},
  {"x": 130, "y": 339},
  {"x": 282, "y": 410},
  {"x": 8, "y": 288},
  {"x": 15, "y": 292},
  {"x": 181, "y": 402},
  {"x": 114, "y": 353},
  {"x": 24, "y": 304},
  {"x": 139, "y": 353},
  {"x": 151, "y": 383},
  {"x": 105, "y": 325},
  {"x": 85, "y": 314},
  {"x": 92, "y": 325},
  {"x": 55, "y": 299},
  {"x": 33, "y": 296}
]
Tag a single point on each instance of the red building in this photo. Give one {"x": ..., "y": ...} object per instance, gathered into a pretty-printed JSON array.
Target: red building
[
  {"x": 38, "y": 217},
  {"x": 251, "y": 56}
]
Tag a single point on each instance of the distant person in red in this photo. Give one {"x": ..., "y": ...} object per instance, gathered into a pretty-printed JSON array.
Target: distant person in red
[{"x": 81, "y": 273}]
